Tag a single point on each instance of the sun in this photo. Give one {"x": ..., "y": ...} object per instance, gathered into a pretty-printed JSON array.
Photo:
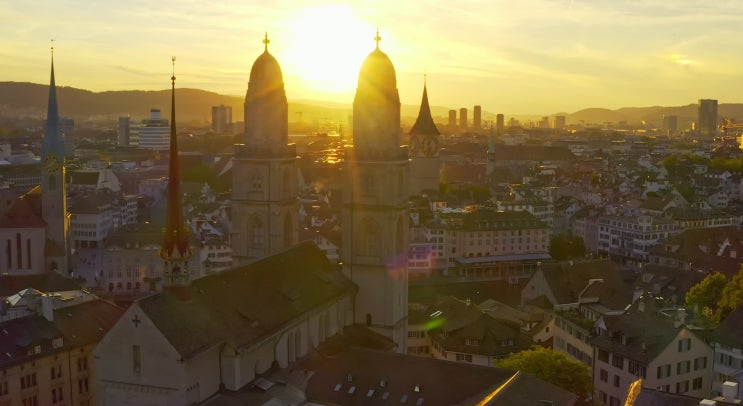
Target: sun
[{"x": 327, "y": 47}]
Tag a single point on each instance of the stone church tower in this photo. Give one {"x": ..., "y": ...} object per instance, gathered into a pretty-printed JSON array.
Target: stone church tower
[
  {"x": 375, "y": 203},
  {"x": 264, "y": 175},
  {"x": 54, "y": 186},
  {"x": 424, "y": 150}
]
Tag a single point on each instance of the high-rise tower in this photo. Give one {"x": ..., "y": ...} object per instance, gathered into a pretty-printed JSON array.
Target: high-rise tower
[
  {"x": 265, "y": 202},
  {"x": 425, "y": 162},
  {"x": 53, "y": 185},
  {"x": 176, "y": 250},
  {"x": 375, "y": 203},
  {"x": 707, "y": 117}
]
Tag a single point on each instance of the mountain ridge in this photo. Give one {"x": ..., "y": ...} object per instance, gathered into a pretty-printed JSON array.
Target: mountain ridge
[{"x": 25, "y": 99}]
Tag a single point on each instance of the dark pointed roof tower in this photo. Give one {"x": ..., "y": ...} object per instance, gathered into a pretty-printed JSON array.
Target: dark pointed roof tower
[
  {"x": 53, "y": 186},
  {"x": 175, "y": 250},
  {"x": 424, "y": 124}
]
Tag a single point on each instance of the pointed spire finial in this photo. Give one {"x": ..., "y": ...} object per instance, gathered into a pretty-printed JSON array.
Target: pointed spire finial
[
  {"x": 172, "y": 77},
  {"x": 52, "y": 48},
  {"x": 377, "y": 38},
  {"x": 266, "y": 41}
]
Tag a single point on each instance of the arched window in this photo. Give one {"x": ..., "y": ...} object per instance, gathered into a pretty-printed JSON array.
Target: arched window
[
  {"x": 287, "y": 189},
  {"x": 369, "y": 238},
  {"x": 257, "y": 234},
  {"x": 288, "y": 230}
]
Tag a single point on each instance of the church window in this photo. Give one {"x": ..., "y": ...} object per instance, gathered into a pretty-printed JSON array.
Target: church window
[
  {"x": 257, "y": 234},
  {"x": 286, "y": 186},
  {"x": 136, "y": 360},
  {"x": 256, "y": 182},
  {"x": 288, "y": 231},
  {"x": 19, "y": 251},
  {"x": 8, "y": 254},
  {"x": 367, "y": 185},
  {"x": 28, "y": 253},
  {"x": 369, "y": 238}
]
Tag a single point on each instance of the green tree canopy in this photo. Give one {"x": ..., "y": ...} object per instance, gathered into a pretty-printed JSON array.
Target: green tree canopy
[
  {"x": 562, "y": 247},
  {"x": 731, "y": 297},
  {"x": 704, "y": 295},
  {"x": 551, "y": 366}
]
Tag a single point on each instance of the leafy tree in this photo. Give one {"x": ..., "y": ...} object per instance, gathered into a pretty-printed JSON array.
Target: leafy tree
[
  {"x": 731, "y": 297},
  {"x": 704, "y": 295},
  {"x": 551, "y": 366},
  {"x": 562, "y": 247}
]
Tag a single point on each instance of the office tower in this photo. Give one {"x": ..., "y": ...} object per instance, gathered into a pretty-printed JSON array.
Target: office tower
[
  {"x": 463, "y": 118},
  {"x": 221, "y": 119},
  {"x": 452, "y": 118},
  {"x": 707, "y": 123},
  {"x": 670, "y": 124},
  {"x": 559, "y": 122},
  {"x": 499, "y": 124},
  {"x": 477, "y": 117},
  {"x": 154, "y": 132},
  {"x": 123, "y": 132}
]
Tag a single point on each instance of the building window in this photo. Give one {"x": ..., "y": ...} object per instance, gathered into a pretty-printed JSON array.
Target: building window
[
  {"x": 684, "y": 344},
  {"x": 82, "y": 364},
  {"x": 28, "y": 381},
  {"x": 683, "y": 367},
  {"x": 664, "y": 371},
  {"x": 82, "y": 385},
  {"x": 136, "y": 359},
  {"x": 617, "y": 360},
  {"x": 696, "y": 383},
  {"x": 616, "y": 381},
  {"x": 700, "y": 363},
  {"x": 603, "y": 375},
  {"x": 682, "y": 387}
]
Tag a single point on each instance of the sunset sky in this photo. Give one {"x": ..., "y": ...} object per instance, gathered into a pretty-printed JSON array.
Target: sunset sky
[{"x": 515, "y": 57}]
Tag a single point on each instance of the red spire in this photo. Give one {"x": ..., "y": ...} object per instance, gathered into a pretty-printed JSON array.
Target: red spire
[{"x": 175, "y": 241}]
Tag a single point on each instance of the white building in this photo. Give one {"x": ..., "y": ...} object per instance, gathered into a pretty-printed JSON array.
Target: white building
[{"x": 153, "y": 133}]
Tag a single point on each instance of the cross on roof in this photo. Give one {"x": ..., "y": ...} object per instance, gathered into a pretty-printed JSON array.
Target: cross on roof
[
  {"x": 136, "y": 320},
  {"x": 266, "y": 41},
  {"x": 377, "y": 38}
]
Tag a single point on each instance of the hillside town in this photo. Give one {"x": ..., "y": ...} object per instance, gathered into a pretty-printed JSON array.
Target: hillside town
[{"x": 396, "y": 261}]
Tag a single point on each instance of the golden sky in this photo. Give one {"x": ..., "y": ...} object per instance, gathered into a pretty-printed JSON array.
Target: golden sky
[{"x": 515, "y": 57}]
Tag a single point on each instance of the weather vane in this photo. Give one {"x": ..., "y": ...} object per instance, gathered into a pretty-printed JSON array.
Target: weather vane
[
  {"x": 377, "y": 38},
  {"x": 52, "y": 40},
  {"x": 172, "y": 60}
]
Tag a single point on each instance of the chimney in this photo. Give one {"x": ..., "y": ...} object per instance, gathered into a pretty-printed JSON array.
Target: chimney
[
  {"x": 47, "y": 306},
  {"x": 730, "y": 391},
  {"x": 680, "y": 317}
]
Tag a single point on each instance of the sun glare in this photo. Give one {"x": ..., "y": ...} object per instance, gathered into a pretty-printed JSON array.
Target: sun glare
[{"x": 327, "y": 47}]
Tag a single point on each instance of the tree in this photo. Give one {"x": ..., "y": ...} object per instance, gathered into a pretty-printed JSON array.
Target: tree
[
  {"x": 551, "y": 366},
  {"x": 704, "y": 296},
  {"x": 562, "y": 247},
  {"x": 731, "y": 296}
]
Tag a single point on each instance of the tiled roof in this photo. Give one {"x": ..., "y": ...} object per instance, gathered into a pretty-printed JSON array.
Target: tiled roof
[
  {"x": 730, "y": 331},
  {"x": 382, "y": 378},
  {"x": 27, "y": 338},
  {"x": 44, "y": 282},
  {"x": 24, "y": 212},
  {"x": 248, "y": 303},
  {"x": 568, "y": 279}
]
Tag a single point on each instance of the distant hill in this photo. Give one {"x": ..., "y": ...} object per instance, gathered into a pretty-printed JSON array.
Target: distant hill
[
  {"x": 652, "y": 115},
  {"x": 22, "y": 99},
  {"x": 30, "y": 100}
]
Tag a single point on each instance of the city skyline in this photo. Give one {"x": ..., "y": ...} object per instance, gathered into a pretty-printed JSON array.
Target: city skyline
[{"x": 534, "y": 57}]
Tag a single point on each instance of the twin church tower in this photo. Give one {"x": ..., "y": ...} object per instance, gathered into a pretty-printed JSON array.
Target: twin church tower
[{"x": 376, "y": 188}]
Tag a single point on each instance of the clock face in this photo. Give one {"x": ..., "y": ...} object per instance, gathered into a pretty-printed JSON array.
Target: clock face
[
  {"x": 431, "y": 146},
  {"x": 51, "y": 164}
]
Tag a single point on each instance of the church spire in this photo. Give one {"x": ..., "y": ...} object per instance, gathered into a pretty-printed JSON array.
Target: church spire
[
  {"x": 424, "y": 124},
  {"x": 175, "y": 250},
  {"x": 52, "y": 139}
]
